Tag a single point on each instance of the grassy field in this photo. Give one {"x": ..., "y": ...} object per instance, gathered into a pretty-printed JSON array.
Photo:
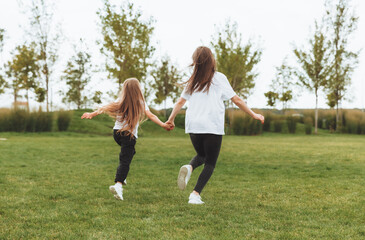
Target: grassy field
[{"x": 55, "y": 186}]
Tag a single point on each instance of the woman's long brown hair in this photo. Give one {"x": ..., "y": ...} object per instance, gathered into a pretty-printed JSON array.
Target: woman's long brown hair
[
  {"x": 129, "y": 109},
  {"x": 204, "y": 68}
]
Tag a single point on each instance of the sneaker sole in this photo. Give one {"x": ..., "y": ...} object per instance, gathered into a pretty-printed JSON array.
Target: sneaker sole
[
  {"x": 181, "y": 178},
  {"x": 112, "y": 190},
  {"x": 196, "y": 203}
]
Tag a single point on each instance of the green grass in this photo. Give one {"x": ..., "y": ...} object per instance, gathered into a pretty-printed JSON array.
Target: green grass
[{"x": 276, "y": 186}]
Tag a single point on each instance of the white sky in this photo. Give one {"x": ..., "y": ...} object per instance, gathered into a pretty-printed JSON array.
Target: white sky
[{"x": 181, "y": 26}]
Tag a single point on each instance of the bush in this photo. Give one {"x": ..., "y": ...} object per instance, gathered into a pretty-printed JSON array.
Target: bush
[
  {"x": 278, "y": 126},
  {"x": 245, "y": 125},
  {"x": 18, "y": 120},
  {"x": 180, "y": 121},
  {"x": 292, "y": 124},
  {"x": 308, "y": 125},
  {"x": 267, "y": 124},
  {"x": 63, "y": 120},
  {"x": 44, "y": 122}
]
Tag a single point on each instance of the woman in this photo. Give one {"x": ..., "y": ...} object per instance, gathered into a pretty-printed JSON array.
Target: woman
[{"x": 204, "y": 121}]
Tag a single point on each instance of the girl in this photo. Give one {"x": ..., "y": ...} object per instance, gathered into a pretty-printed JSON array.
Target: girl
[
  {"x": 128, "y": 110},
  {"x": 204, "y": 121}
]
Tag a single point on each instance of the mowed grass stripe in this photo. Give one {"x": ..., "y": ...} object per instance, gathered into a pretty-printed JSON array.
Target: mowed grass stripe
[{"x": 264, "y": 187}]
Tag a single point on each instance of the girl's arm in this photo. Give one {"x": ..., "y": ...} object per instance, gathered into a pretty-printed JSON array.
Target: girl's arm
[
  {"x": 180, "y": 103},
  {"x": 156, "y": 120},
  {"x": 90, "y": 115},
  {"x": 242, "y": 105}
]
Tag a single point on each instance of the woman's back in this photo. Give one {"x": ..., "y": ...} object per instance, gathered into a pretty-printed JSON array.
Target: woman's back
[{"x": 205, "y": 112}]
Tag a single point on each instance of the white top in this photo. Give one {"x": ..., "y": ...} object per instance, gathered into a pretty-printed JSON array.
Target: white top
[
  {"x": 119, "y": 124},
  {"x": 205, "y": 112}
]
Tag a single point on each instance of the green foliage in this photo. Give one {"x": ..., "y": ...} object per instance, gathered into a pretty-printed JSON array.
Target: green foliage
[
  {"x": 342, "y": 23},
  {"x": 45, "y": 34},
  {"x": 245, "y": 125},
  {"x": 19, "y": 120},
  {"x": 282, "y": 86},
  {"x": 278, "y": 125},
  {"x": 308, "y": 124},
  {"x": 267, "y": 124},
  {"x": 23, "y": 70},
  {"x": 126, "y": 42},
  {"x": 180, "y": 121},
  {"x": 97, "y": 97},
  {"x": 292, "y": 124},
  {"x": 63, "y": 120},
  {"x": 2, "y": 33},
  {"x": 271, "y": 98},
  {"x": 77, "y": 76},
  {"x": 166, "y": 77},
  {"x": 235, "y": 60}
]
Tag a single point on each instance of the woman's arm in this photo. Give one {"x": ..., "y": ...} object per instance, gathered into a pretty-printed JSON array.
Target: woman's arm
[
  {"x": 242, "y": 105},
  {"x": 90, "y": 115},
  {"x": 156, "y": 120},
  {"x": 180, "y": 103}
]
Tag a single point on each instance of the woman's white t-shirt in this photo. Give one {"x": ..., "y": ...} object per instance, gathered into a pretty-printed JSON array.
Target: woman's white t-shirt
[
  {"x": 205, "y": 112},
  {"x": 119, "y": 123}
]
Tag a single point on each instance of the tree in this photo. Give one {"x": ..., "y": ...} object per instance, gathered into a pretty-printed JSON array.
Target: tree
[
  {"x": 341, "y": 23},
  {"x": 77, "y": 76},
  {"x": 14, "y": 78},
  {"x": 315, "y": 66},
  {"x": 281, "y": 86},
  {"x": 22, "y": 71},
  {"x": 166, "y": 78},
  {"x": 235, "y": 60},
  {"x": 126, "y": 42},
  {"x": 3, "y": 83},
  {"x": 2, "y": 33},
  {"x": 25, "y": 67},
  {"x": 272, "y": 97},
  {"x": 47, "y": 38}
]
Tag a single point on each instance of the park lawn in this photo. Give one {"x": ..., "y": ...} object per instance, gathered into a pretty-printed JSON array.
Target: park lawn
[{"x": 55, "y": 186}]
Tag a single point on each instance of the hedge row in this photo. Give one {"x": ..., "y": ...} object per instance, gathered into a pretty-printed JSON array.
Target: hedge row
[{"x": 18, "y": 120}]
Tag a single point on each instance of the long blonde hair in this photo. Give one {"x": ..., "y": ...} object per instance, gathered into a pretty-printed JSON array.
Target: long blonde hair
[{"x": 130, "y": 106}]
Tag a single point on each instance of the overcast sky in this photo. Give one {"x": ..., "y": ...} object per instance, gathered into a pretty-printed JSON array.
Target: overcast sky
[{"x": 181, "y": 26}]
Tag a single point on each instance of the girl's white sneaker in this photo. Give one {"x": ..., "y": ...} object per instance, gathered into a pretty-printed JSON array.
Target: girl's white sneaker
[
  {"x": 184, "y": 176},
  {"x": 117, "y": 190},
  {"x": 195, "y": 199}
]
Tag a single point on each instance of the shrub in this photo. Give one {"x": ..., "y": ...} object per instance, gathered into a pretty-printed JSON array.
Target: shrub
[
  {"x": 44, "y": 122},
  {"x": 308, "y": 125},
  {"x": 180, "y": 121},
  {"x": 245, "y": 125},
  {"x": 292, "y": 124},
  {"x": 63, "y": 120},
  {"x": 18, "y": 120},
  {"x": 267, "y": 124},
  {"x": 278, "y": 126}
]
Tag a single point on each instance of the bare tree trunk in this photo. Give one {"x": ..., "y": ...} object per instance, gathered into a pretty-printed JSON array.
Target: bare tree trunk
[
  {"x": 316, "y": 116},
  {"x": 337, "y": 117},
  {"x": 28, "y": 100}
]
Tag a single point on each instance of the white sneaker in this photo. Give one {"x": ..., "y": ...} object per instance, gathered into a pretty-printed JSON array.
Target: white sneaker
[
  {"x": 117, "y": 190},
  {"x": 184, "y": 176},
  {"x": 195, "y": 199}
]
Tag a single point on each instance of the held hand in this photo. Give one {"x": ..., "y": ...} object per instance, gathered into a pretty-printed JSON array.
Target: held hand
[
  {"x": 259, "y": 117},
  {"x": 166, "y": 127},
  {"x": 87, "y": 115},
  {"x": 171, "y": 124}
]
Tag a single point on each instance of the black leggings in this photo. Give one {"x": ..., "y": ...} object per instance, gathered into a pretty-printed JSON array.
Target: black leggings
[
  {"x": 126, "y": 154},
  {"x": 207, "y": 147}
]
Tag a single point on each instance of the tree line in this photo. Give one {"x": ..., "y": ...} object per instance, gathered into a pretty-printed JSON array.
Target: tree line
[{"x": 325, "y": 63}]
